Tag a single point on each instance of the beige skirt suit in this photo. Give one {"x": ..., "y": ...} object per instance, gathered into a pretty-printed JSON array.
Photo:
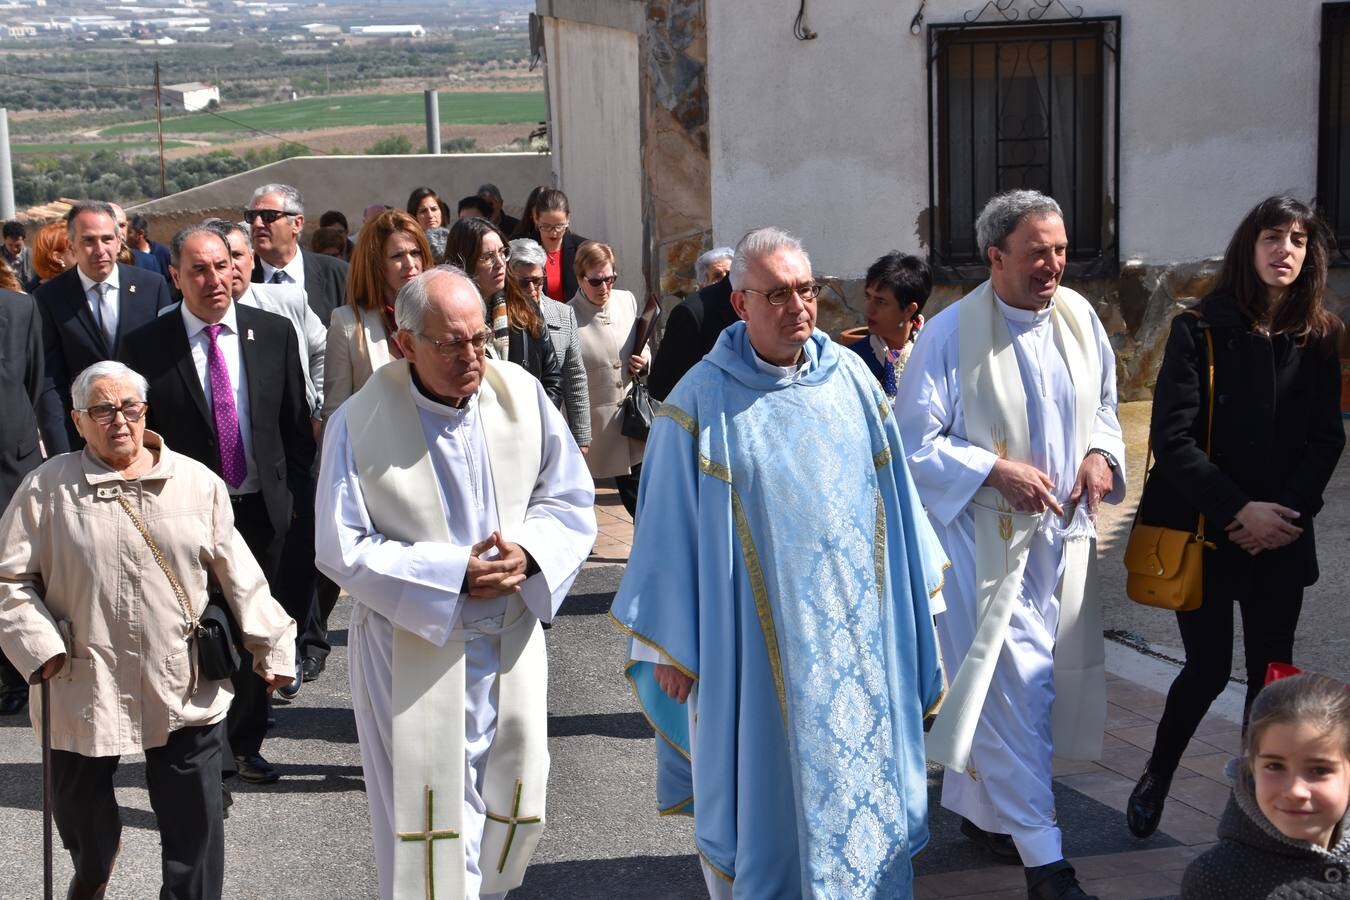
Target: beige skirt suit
[
  {"x": 357, "y": 346},
  {"x": 607, "y": 336}
]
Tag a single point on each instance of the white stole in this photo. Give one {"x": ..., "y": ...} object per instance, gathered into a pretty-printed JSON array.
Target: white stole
[
  {"x": 995, "y": 406},
  {"x": 403, "y": 499}
]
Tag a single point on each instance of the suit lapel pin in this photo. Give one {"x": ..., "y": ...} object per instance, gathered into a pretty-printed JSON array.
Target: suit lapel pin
[
  {"x": 250, "y": 334},
  {"x": 131, "y": 288}
]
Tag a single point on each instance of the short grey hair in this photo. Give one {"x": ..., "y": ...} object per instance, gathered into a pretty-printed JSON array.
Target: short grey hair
[
  {"x": 83, "y": 386},
  {"x": 181, "y": 236},
  {"x": 226, "y": 228},
  {"x": 1004, "y": 212},
  {"x": 81, "y": 207},
  {"x": 716, "y": 254},
  {"x": 527, "y": 252},
  {"x": 294, "y": 203},
  {"x": 414, "y": 298},
  {"x": 758, "y": 243}
]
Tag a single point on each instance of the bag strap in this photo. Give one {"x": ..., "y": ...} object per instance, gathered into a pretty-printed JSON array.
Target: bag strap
[
  {"x": 1209, "y": 426},
  {"x": 193, "y": 621}
]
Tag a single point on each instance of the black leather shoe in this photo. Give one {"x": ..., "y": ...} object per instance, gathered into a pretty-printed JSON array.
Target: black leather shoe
[
  {"x": 1055, "y": 881},
  {"x": 226, "y": 801},
  {"x": 291, "y": 689},
  {"x": 1000, "y": 845},
  {"x": 13, "y": 700},
  {"x": 255, "y": 770},
  {"x": 1144, "y": 809},
  {"x": 312, "y": 667}
]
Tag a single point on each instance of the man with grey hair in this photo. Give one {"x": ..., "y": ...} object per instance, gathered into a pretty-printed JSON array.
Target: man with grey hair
[
  {"x": 456, "y": 510},
  {"x": 88, "y": 310},
  {"x": 1008, "y": 412},
  {"x": 778, "y": 598},
  {"x": 276, "y": 217},
  {"x": 693, "y": 327}
]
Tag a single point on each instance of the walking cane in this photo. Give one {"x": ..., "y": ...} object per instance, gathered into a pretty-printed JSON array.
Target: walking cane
[{"x": 46, "y": 790}]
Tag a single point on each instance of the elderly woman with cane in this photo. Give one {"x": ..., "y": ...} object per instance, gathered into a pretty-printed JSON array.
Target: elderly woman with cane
[{"x": 105, "y": 557}]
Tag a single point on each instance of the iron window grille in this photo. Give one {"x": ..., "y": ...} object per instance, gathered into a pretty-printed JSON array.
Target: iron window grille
[
  {"x": 1333, "y": 143},
  {"x": 1025, "y": 105}
]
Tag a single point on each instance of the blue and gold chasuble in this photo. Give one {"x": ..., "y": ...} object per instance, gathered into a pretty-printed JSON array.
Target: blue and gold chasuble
[{"x": 782, "y": 560}]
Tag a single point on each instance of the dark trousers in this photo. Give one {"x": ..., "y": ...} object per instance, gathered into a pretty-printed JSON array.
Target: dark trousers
[
  {"x": 1270, "y": 609},
  {"x": 315, "y": 640},
  {"x": 246, "y": 724},
  {"x": 627, "y": 486},
  {"x": 184, "y": 781}
]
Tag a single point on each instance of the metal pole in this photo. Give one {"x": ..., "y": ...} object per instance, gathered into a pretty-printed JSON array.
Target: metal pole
[
  {"x": 159, "y": 126},
  {"x": 433, "y": 105},
  {"x": 6, "y": 171}
]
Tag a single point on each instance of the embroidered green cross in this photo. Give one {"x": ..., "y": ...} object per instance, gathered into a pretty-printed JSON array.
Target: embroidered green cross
[
  {"x": 514, "y": 821},
  {"x": 426, "y": 836}
]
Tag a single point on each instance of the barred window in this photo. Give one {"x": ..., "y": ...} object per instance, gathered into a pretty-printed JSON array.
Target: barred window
[
  {"x": 1024, "y": 106},
  {"x": 1333, "y": 145}
]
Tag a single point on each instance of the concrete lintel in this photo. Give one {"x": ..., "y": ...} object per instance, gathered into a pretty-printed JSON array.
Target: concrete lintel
[{"x": 625, "y": 15}]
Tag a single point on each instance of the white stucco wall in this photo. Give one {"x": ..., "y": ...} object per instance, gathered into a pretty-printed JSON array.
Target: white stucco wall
[
  {"x": 350, "y": 183},
  {"x": 594, "y": 112},
  {"x": 828, "y": 138}
]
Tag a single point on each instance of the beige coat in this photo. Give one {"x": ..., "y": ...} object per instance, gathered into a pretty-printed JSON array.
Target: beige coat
[
  {"x": 607, "y": 336},
  {"x": 355, "y": 350},
  {"x": 76, "y": 577}
]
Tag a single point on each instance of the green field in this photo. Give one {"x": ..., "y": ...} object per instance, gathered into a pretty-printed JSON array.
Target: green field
[
  {"x": 90, "y": 147},
  {"x": 357, "y": 109}
]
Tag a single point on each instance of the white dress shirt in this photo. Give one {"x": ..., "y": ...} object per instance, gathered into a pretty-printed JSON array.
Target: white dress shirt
[
  {"x": 228, "y": 342},
  {"x": 109, "y": 316},
  {"x": 291, "y": 273}
]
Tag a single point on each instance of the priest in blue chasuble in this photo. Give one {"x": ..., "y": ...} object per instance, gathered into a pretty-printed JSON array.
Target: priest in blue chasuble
[{"x": 779, "y": 597}]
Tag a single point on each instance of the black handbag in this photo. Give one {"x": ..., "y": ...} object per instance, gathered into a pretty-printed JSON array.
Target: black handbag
[
  {"x": 638, "y": 411},
  {"x": 218, "y": 655},
  {"x": 214, "y": 634}
]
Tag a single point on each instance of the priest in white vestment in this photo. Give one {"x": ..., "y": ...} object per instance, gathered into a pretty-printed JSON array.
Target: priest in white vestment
[
  {"x": 455, "y": 508},
  {"x": 1007, "y": 410}
]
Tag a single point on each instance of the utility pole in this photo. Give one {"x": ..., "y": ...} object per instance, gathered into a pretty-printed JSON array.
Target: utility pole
[
  {"x": 6, "y": 172},
  {"x": 159, "y": 126},
  {"x": 433, "y": 104}
]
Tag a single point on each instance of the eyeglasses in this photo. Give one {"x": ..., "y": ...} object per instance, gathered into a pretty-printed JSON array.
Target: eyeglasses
[
  {"x": 449, "y": 349},
  {"x": 104, "y": 413},
  {"x": 553, "y": 229},
  {"x": 779, "y": 296},
  {"x": 267, "y": 215},
  {"x": 493, "y": 255},
  {"x": 596, "y": 282},
  {"x": 531, "y": 281}
]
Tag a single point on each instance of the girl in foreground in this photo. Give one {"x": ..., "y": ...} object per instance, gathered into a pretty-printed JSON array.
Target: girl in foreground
[{"x": 1283, "y": 834}]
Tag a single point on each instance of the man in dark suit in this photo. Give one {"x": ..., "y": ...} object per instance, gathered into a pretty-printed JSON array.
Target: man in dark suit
[
  {"x": 24, "y": 393},
  {"x": 88, "y": 310},
  {"x": 275, "y": 218},
  {"x": 692, "y": 329},
  {"x": 226, "y": 390}
]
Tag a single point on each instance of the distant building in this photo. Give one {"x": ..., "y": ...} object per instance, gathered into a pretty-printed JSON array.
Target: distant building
[
  {"x": 190, "y": 95},
  {"x": 20, "y": 31},
  {"x": 389, "y": 30}
]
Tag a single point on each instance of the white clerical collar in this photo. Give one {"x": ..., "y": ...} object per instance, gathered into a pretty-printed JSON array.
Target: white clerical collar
[
  {"x": 194, "y": 324},
  {"x": 1025, "y": 316},
  {"x": 436, "y": 408},
  {"x": 780, "y": 372},
  {"x": 295, "y": 269},
  {"x": 88, "y": 282}
]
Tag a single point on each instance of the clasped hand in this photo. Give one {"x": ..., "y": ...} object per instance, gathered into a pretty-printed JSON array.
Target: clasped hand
[
  {"x": 1262, "y": 526},
  {"x": 488, "y": 579}
]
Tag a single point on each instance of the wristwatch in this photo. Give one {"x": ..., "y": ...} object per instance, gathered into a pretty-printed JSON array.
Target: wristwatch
[{"x": 1111, "y": 462}]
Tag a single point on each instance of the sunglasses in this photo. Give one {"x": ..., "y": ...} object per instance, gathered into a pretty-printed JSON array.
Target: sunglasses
[
  {"x": 596, "y": 282},
  {"x": 531, "y": 282},
  {"x": 267, "y": 215}
]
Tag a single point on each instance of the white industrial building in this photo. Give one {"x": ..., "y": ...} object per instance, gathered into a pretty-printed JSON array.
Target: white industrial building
[
  {"x": 190, "y": 95},
  {"x": 389, "y": 30}
]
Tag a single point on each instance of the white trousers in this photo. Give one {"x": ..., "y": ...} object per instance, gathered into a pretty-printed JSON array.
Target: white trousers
[{"x": 370, "y": 643}]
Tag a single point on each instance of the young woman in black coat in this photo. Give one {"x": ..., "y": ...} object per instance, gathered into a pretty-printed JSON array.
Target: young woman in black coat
[{"x": 1276, "y": 439}]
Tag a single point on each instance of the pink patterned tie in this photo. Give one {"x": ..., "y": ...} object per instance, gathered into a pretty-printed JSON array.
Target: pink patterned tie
[{"x": 232, "y": 464}]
